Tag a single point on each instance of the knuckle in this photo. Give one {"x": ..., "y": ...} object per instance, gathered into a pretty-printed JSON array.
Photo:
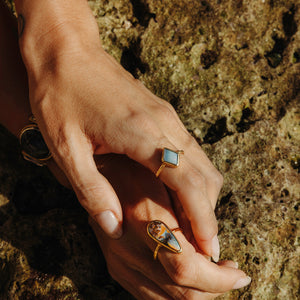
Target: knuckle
[
  {"x": 180, "y": 294},
  {"x": 195, "y": 180},
  {"x": 143, "y": 121},
  {"x": 219, "y": 179},
  {"x": 87, "y": 193},
  {"x": 169, "y": 107},
  {"x": 189, "y": 141},
  {"x": 216, "y": 178},
  {"x": 167, "y": 110},
  {"x": 180, "y": 272},
  {"x": 190, "y": 295},
  {"x": 184, "y": 294}
]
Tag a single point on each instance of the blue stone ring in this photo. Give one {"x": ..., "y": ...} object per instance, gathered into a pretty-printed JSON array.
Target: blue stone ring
[{"x": 169, "y": 158}]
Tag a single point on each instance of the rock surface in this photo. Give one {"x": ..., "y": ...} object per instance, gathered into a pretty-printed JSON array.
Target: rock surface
[{"x": 232, "y": 71}]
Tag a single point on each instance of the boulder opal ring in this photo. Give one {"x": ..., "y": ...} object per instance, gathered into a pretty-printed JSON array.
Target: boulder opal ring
[
  {"x": 160, "y": 233},
  {"x": 169, "y": 158},
  {"x": 34, "y": 148}
]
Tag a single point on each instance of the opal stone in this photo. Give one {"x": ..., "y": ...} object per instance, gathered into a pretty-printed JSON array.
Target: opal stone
[
  {"x": 170, "y": 157},
  {"x": 33, "y": 144},
  {"x": 160, "y": 232}
]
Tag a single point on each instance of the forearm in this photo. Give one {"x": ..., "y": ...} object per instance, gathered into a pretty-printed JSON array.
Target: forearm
[{"x": 14, "y": 103}]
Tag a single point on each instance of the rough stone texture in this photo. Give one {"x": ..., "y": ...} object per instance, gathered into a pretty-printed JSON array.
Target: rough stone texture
[{"x": 232, "y": 71}]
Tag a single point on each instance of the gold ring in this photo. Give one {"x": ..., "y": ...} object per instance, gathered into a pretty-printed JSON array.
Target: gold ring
[
  {"x": 160, "y": 233},
  {"x": 169, "y": 158}
]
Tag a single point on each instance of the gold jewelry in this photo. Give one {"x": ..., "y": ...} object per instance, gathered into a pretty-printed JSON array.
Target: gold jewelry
[
  {"x": 169, "y": 158},
  {"x": 160, "y": 233},
  {"x": 34, "y": 148}
]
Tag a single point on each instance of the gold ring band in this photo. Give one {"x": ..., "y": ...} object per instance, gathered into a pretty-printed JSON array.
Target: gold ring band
[
  {"x": 156, "y": 251},
  {"x": 162, "y": 166}
]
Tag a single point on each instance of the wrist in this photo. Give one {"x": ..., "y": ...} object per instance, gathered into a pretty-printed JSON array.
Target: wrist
[{"x": 49, "y": 29}]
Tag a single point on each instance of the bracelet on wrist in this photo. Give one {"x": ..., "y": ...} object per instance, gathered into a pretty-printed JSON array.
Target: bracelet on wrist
[{"x": 34, "y": 148}]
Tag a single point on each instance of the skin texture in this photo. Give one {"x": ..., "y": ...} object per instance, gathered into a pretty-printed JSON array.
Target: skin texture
[
  {"x": 85, "y": 104},
  {"x": 189, "y": 275}
]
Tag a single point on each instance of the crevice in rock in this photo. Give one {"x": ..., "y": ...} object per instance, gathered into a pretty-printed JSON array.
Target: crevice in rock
[
  {"x": 175, "y": 102},
  {"x": 296, "y": 56},
  {"x": 262, "y": 93},
  {"x": 226, "y": 199},
  {"x": 256, "y": 58},
  {"x": 208, "y": 58},
  {"x": 274, "y": 57},
  {"x": 281, "y": 114},
  {"x": 217, "y": 131},
  {"x": 206, "y": 5},
  {"x": 245, "y": 121},
  {"x": 141, "y": 12},
  {"x": 241, "y": 47},
  {"x": 295, "y": 163},
  {"x": 289, "y": 23},
  {"x": 131, "y": 60}
]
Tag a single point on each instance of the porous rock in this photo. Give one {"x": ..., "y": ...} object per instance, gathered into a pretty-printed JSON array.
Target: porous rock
[{"x": 231, "y": 70}]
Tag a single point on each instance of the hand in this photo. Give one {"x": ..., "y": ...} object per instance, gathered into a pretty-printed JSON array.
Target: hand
[
  {"x": 138, "y": 201},
  {"x": 188, "y": 275},
  {"x": 86, "y": 103}
]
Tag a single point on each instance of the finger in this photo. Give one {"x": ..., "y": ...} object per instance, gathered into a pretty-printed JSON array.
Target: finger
[
  {"x": 190, "y": 188},
  {"x": 213, "y": 178},
  {"x": 183, "y": 140},
  {"x": 154, "y": 282},
  {"x": 183, "y": 221},
  {"x": 189, "y": 268},
  {"x": 192, "y": 269},
  {"x": 152, "y": 270},
  {"x": 211, "y": 183},
  {"x": 229, "y": 263},
  {"x": 58, "y": 173},
  {"x": 93, "y": 190},
  {"x": 197, "y": 157},
  {"x": 139, "y": 285}
]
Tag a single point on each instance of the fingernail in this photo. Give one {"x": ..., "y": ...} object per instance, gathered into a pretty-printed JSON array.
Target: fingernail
[
  {"x": 215, "y": 248},
  {"x": 109, "y": 223},
  {"x": 242, "y": 282},
  {"x": 236, "y": 265}
]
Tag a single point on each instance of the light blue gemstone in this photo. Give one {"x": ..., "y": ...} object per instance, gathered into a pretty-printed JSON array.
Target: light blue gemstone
[
  {"x": 173, "y": 243},
  {"x": 161, "y": 233},
  {"x": 170, "y": 157}
]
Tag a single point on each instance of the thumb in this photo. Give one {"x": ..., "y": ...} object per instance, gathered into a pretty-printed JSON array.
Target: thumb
[{"x": 93, "y": 190}]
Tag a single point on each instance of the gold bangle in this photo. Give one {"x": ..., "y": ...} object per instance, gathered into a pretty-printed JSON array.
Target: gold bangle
[{"x": 34, "y": 148}]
